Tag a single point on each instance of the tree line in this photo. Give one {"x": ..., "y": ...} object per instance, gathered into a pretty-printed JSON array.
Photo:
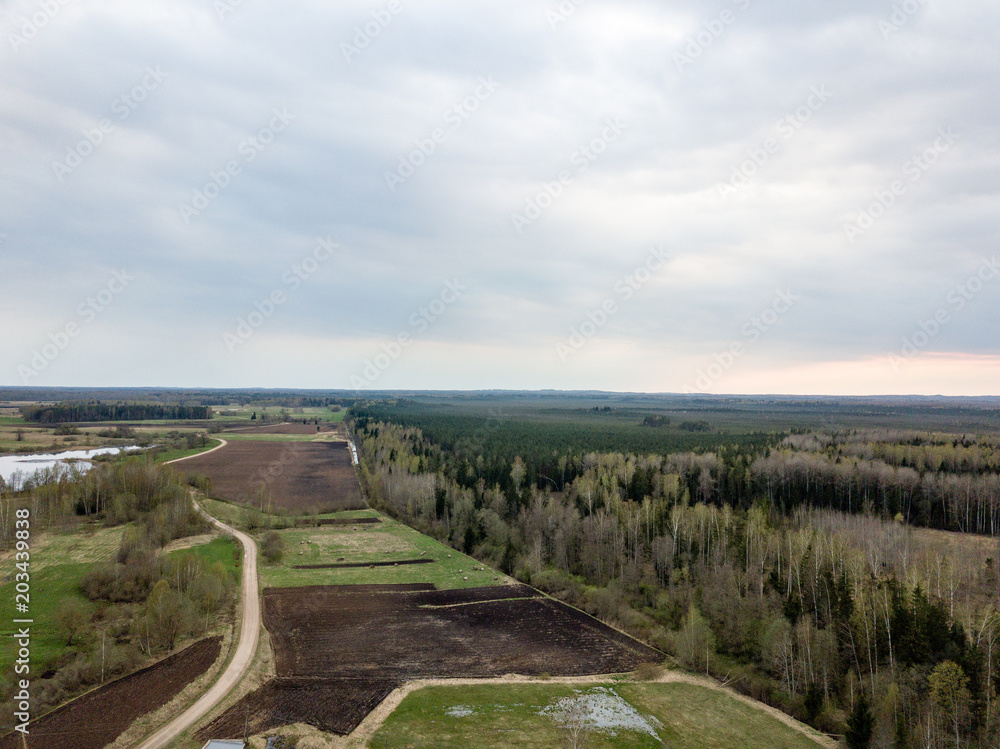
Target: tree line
[{"x": 61, "y": 413}]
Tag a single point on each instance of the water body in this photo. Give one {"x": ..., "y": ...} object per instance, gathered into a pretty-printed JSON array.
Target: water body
[{"x": 23, "y": 467}]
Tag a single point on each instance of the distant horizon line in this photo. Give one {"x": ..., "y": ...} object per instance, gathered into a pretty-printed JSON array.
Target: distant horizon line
[{"x": 350, "y": 392}]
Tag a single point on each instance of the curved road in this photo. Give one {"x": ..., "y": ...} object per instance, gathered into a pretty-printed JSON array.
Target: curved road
[{"x": 249, "y": 632}]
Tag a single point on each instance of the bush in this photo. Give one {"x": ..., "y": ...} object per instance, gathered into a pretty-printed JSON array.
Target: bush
[
  {"x": 273, "y": 547},
  {"x": 558, "y": 584},
  {"x": 648, "y": 672},
  {"x": 119, "y": 659},
  {"x": 200, "y": 481},
  {"x": 128, "y": 582},
  {"x": 72, "y": 617}
]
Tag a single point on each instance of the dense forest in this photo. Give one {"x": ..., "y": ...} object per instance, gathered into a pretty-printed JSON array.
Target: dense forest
[
  {"x": 799, "y": 568},
  {"x": 549, "y": 442},
  {"x": 63, "y": 413}
]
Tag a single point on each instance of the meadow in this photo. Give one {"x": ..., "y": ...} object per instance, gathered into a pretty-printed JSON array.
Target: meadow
[{"x": 635, "y": 715}]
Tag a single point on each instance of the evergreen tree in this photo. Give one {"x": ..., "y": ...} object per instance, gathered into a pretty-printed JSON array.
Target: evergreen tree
[
  {"x": 860, "y": 724},
  {"x": 813, "y": 702}
]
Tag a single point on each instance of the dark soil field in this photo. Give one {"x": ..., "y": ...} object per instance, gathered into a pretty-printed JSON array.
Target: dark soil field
[
  {"x": 99, "y": 717},
  {"x": 305, "y": 476},
  {"x": 334, "y": 705},
  {"x": 349, "y": 644},
  {"x": 284, "y": 429}
]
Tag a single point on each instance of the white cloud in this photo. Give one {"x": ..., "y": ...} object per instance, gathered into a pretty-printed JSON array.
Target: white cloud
[{"x": 688, "y": 128}]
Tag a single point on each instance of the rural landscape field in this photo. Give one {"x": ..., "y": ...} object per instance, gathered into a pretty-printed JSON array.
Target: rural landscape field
[
  {"x": 577, "y": 374},
  {"x": 487, "y": 572}
]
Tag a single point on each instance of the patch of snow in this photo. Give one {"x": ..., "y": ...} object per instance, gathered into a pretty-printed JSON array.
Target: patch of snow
[
  {"x": 460, "y": 711},
  {"x": 602, "y": 709}
]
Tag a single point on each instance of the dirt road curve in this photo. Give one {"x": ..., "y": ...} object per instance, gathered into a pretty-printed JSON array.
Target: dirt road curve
[{"x": 244, "y": 650}]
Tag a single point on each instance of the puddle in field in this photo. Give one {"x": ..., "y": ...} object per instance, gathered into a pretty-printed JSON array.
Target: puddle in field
[{"x": 602, "y": 709}]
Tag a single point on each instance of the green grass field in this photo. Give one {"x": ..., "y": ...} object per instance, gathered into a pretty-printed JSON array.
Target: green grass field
[
  {"x": 34, "y": 439},
  {"x": 683, "y": 716},
  {"x": 227, "y": 512},
  {"x": 58, "y": 563},
  {"x": 49, "y": 586},
  {"x": 87, "y": 544},
  {"x": 222, "y": 549},
  {"x": 387, "y": 541},
  {"x": 167, "y": 455}
]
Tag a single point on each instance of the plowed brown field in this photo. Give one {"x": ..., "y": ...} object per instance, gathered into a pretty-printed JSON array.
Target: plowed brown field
[
  {"x": 284, "y": 429},
  {"x": 312, "y": 477},
  {"x": 340, "y": 649},
  {"x": 99, "y": 717}
]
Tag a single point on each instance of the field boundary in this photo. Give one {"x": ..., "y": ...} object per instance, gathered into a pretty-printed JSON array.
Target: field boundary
[{"x": 359, "y": 738}]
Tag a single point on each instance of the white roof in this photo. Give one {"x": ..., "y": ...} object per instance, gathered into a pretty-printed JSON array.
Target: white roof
[{"x": 217, "y": 744}]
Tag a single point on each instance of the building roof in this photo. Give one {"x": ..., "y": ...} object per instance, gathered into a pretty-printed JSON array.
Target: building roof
[{"x": 220, "y": 744}]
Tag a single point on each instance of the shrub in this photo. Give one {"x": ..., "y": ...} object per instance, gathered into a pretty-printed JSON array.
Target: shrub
[
  {"x": 648, "y": 672},
  {"x": 273, "y": 547},
  {"x": 72, "y": 616},
  {"x": 200, "y": 481}
]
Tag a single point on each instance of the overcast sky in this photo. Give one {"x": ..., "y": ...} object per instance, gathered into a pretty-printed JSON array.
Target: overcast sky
[{"x": 794, "y": 196}]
